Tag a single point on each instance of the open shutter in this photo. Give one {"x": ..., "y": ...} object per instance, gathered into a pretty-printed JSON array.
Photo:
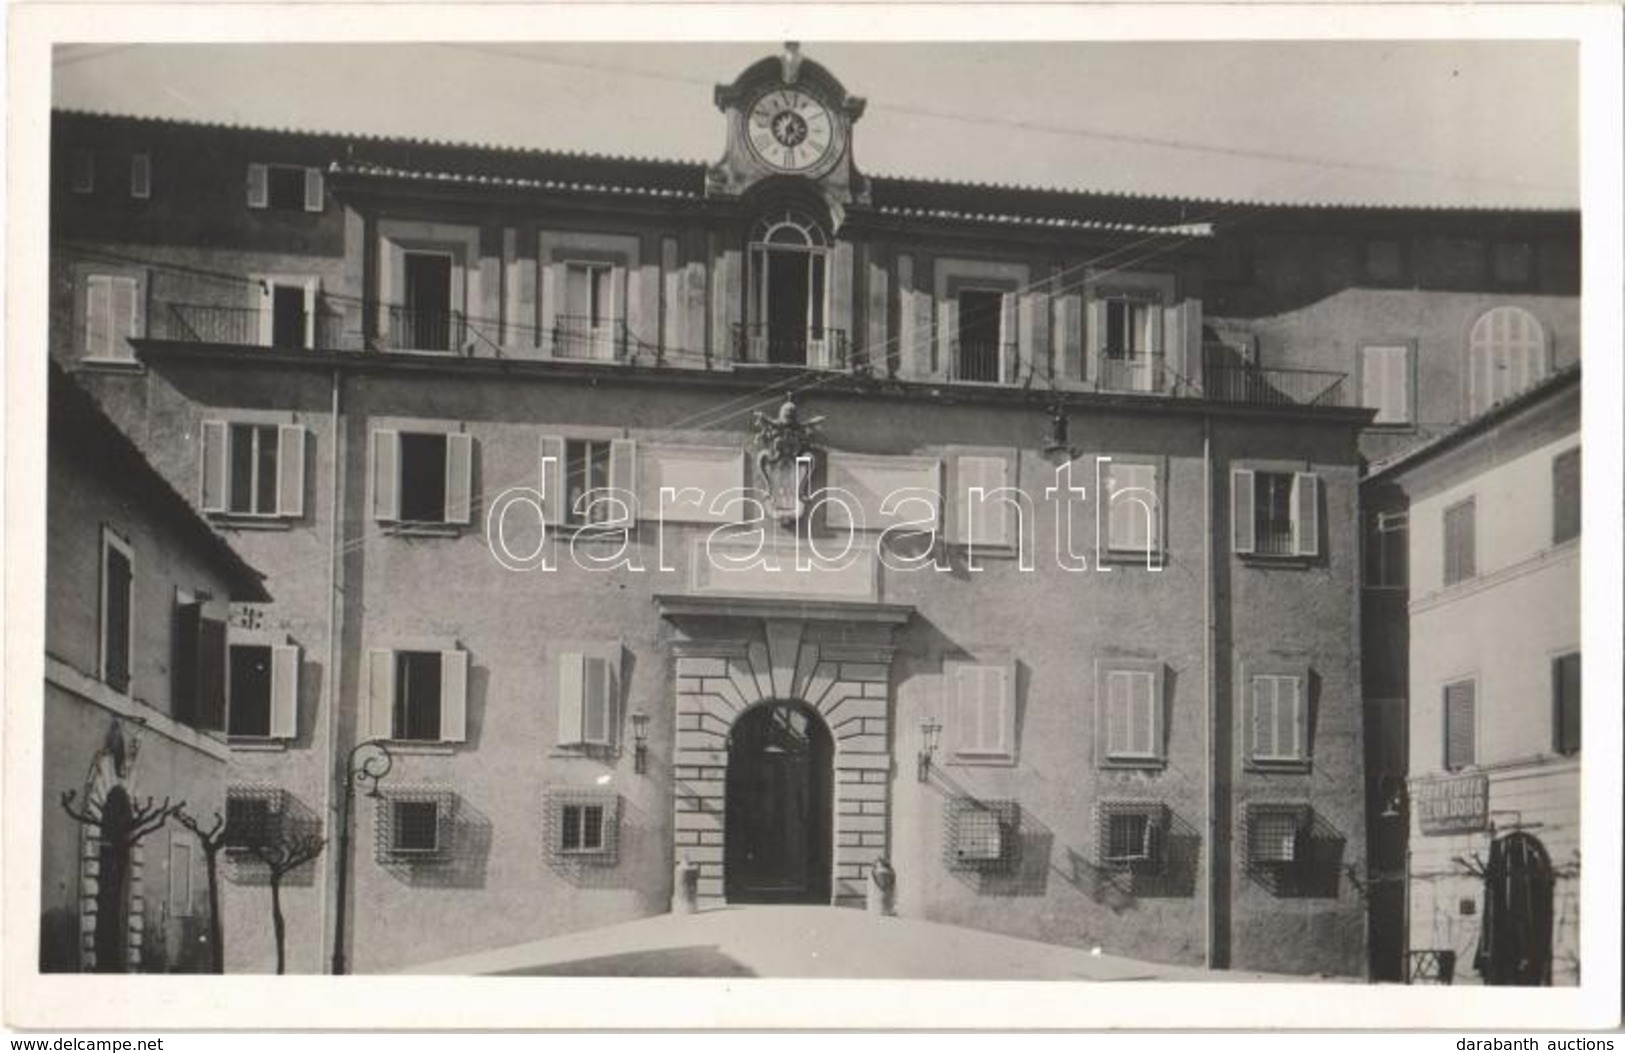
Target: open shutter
[
  {"x": 572, "y": 682},
  {"x": 313, "y": 190},
  {"x": 284, "y": 692},
  {"x": 1143, "y": 711},
  {"x": 290, "y": 470},
  {"x": 552, "y": 480},
  {"x": 1097, "y": 334},
  {"x": 258, "y": 187},
  {"x": 1306, "y": 514},
  {"x": 597, "y": 701},
  {"x": 211, "y": 671},
  {"x": 623, "y": 479},
  {"x": 386, "y": 475},
  {"x": 453, "y": 695},
  {"x": 459, "y": 477},
  {"x": 380, "y": 716},
  {"x": 1241, "y": 510},
  {"x": 98, "y": 315},
  {"x": 1009, "y": 334},
  {"x": 212, "y": 484}
]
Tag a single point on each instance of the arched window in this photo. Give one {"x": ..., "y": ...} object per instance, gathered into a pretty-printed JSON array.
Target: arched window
[
  {"x": 789, "y": 292},
  {"x": 1506, "y": 354}
]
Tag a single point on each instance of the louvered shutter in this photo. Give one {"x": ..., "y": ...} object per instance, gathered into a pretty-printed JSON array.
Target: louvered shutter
[
  {"x": 1009, "y": 334},
  {"x": 1118, "y": 721},
  {"x": 984, "y": 521},
  {"x": 98, "y": 315},
  {"x": 386, "y": 475},
  {"x": 453, "y": 695},
  {"x": 211, "y": 667},
  {"x": 284, "y": 692},
  {"x": 1095, "y": 342},
  {"x": 1288, "y": 726},
  {"x": 572, "y": 684},
  {"x": 623, "y": 479},
  {"x": 380, "y": 715},
  {"x": 992, "y": 699},
  {"x": 290, "y": 469},
  {"x": 314, "y": 198},
  {"x": 1305, "y": 514},
  {"x": 459, "y": 477},
  {"x": 212, "y": 472},
  {"x": 1241, "y": 510},
  {"x": 125, "y": 319},
  {"x": 597, "y": 701},
  {"x": 1459, "y": 733},
  {"x": 1263, "y": 717},
  {"x": 259, "y": 195},
  {"x": 1142, "y": 714},
  {"x": 552, "y": 480},
  {"x": 962, "y": 707},
  {"x": 1566, "y": 704}
]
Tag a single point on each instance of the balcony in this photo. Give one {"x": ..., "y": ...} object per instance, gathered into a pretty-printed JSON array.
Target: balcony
[
  {"x": 246, "y": 326},
  {"x": 1144, "y": 373},
  {"x": 985, "y": 362},
  {"x": 1257, "y": 386},
  {"x": 406, "y": 329},
  {"x": 818, "y": 347},
  {"x": 588, "y": 339}
]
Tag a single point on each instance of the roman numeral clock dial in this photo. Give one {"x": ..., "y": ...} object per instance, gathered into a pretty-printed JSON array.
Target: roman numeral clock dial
[{"x": 790, "y": 131}]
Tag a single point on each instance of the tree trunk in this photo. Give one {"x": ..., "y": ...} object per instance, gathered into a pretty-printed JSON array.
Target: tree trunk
[
  {"x": 217, "y": 947},
  {"x": 277, "y": 924}
]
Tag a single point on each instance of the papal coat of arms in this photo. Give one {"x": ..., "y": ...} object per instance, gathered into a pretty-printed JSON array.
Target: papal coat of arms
[{"x": 786, "y": 449}]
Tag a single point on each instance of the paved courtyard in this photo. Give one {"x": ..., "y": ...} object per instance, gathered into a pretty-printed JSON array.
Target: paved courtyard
[{"x": 812, "y": 942}]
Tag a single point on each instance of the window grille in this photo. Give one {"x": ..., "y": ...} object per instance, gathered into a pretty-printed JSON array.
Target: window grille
[
  {"x": 416, "y": 825},
  {"x": 582, "y": 826},
  {"x": 1276, "y": 834},
  {"x": 981, "y": 835},
  {"x": 1129, "y": 835},
  {"x": 254, "y": 816}
]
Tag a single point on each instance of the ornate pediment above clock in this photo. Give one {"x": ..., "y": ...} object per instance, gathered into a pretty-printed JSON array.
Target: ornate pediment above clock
[{"x": 788, "y": 118}]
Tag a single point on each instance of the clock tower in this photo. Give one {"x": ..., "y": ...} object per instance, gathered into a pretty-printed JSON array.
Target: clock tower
[{"x": 789, "y": 119}]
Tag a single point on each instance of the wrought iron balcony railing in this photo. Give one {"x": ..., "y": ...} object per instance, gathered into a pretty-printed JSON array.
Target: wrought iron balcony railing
[
  {"x": 1134, "y": 372},
  {"x": 985, "y": 361},
  {"x": 246, "y": 326},
  {"x": 819, "y": 347},
  {"x": 1258, "y": 386},
  {"x": 577, "y": 336},
  {"x": 406, "y": 329}
]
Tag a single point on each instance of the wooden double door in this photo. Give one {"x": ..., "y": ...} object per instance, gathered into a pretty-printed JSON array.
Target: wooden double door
[{"x": 778, "y": 829}]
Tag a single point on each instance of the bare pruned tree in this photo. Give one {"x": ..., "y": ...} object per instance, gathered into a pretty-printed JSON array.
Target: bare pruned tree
[
  {"x": 144, "y": 818},
  {"x": 212, "y": 840},
  {"x": 282, "y": 853}
]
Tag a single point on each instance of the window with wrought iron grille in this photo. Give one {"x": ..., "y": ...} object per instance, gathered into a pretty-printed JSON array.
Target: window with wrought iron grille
[
  {"x": 981, "y": 835},
  {"x": 583, "y": 826},
  {"x": 416, "y": 825},
  {"x": 253, "y": 817},
  {"x": 1129, "y": 835},
  {"x": 1276, "y": 834}
]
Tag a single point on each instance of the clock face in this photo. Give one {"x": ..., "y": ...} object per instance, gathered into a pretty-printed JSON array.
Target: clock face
[{"x": 790, "y": 130}]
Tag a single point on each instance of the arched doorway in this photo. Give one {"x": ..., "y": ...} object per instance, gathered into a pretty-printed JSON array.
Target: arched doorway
[
  {"x": 777, "y": 830},
  {"x": 113, "y": 884},
  {"x": 789, "y": 291},
  {"x": 1515, "y": 943}
]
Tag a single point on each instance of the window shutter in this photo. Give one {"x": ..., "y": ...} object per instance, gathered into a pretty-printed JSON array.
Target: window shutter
[
  {"x": 572, "y": 683},
  {"x": 1241, "y": 510},
  {"x": 1097, "y": 329},
  {"x": 1143, "y": 711},
  {"x": 962, "y": 708},
  {"x": 597, "y": 701},
  {"x": 992, "y": 700},
  {"x": 1397, "y": 394},
  {"x": 314, "y": 201},
  {"x": 1263, "y": 717},
  {"x": 552, "y": 480},
  {"x": 459, "y": 477},
  {"x": 124, "y": 319},
  {"x": 1566, "y": 704},
  {"x": 453, "y": 695},
  {"x": 183, "y": 678},
  {"x": 140, "y": 176},
  {"x": 211, "y": 667},
  {"x": 380, "y": 694},
  {"x": 290, "y": 469},
  {"x": 386, "y": 474},
  {"x": 98, "y": 315},
  {"x": 212, "y": 482},
  {"x": 991, "y": 519},
  {"x": 1459, "y": 739},
  {"x": 1010, "y": 333},
  {"x": 1566, "y": 496},
  {"x": 1288, "y": 722},
  {"x": 623, "y": 478},
  {"x": 284, "y": 692},
  {"x": 1306, "y": 514},
  {"x": 1117, "y": 713},
  {"x": 258, "y": 187}
]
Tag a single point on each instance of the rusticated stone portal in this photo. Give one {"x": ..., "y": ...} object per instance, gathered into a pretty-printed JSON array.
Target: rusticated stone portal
[{"x": 842, "y": 672}]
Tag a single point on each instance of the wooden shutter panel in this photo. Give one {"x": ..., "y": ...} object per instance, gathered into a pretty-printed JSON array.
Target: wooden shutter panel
[
  {"x": 991, "y": 519},
  {"x": 1398, "y": 391},
  {"x": 1566, "y": 704},
  {"x": 211, "y": 671},
  {"x": 212, "y": 473},
  {"x": 992, "y": 704},
  {"x": 1009, "y": 333},
  {"x": 1241, "y": 510},
  {"x": 380, "y": 714},
  {"x": 290, "y": 470},
  {"x": 453, "y": 695},
  {"x": 386, "y": 474},
  {"x": 1306, "y": 514},
  {"x": 284, "y": 692},
  {"x": 258, "y": 186},
  {"x": 1143, "y": 711},
  {"x": 314, "y": 199},
  {"x": 554, "y": 503},
  {"x": 597, "y": 703},
  {"x": 1263, "y": 717},
  {"x": 1459, "y": 736},
  {"x": 1117, "y": 713},
  {"x": 98, "y": 315},
  {"x": 623, "y": 478},
  {"x": 124, "y": 319},
  {"x": 572, "y": 683},
  {"x": 962, "y": 708},
  {"x": 1288, "y": 723},
  {"x": 183, "y": 678},
  {"x": 459, "y": 477}
]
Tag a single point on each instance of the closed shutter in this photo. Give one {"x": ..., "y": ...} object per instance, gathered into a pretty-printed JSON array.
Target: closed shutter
[
  {"x": 1459, "y": 733},
  {"x": 211, "y": 674},
  {"x": 314, "y": 199},
  {"x": 98, "y": 315},
  {"x": 258, "y": 186},
  {"x": 116, "y": 619},
  {"x": 212, "y": 472},
  {"x": 380, "y": 720},
  {"x": 1242, "y": 527},
  {"x": 386, "y": 475},
  {"x": 552, "y": 480},
  {"x": 459, "y": 477},
  {"x": 1097, "y": 334},
  {"x": 125, "y": 321},
  {"x": 1118, "y": 704},
  {"x": 453, "y": 696},
  {"x": 992, "y": 699},
  {"x": 1134, "y": 516},
  {"x": 284, "y": 692},
  {"x": 597, "y": 701},
  {"x": 290, "y": 470},
  {"x": 1305, "y": 514},
  {"x": 1460, "y": 542},
  {"x": 1566, "y": 704},
  {"x": 1143, "y": 714},
  {"x": 1263, "y": 717},
  {"x": 1566, "y": 496},
  {"x": 572, "y": 685},
  {"x": 183, "y": 678},
  {"x": 1288, "y": 718},
  {"x": 985, "y": 520},
  {"x": 623, "y": 480}
]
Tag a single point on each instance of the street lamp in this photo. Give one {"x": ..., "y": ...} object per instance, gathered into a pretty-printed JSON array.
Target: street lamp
[
  {"x": 367, "y": 763},
  {"x": 930, "y": 729}
]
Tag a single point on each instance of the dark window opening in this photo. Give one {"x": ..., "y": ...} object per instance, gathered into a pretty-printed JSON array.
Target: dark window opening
[
  {"x": 583, "y": 827},
  {"x": 417, "y": 696},
  {"x": 981, "y": 314},
  {"x": 1385, "y": 550},
  {"x": 423, "y": 478},
  {"x": 253, "y": 483},
  {"x": 428, "y": 322},
  {"x": 1566, "y": 704},
  {"x": 118, "y": 577},
  {"x": 586, "y": 468},
  {"x": 249, "y": 821},
  {"x": 1566, "y": 496},
  {"x": 1272, "y": 513},
  {"x": 285, "y": 187},
  {"x": 250, "y": 710},
  {"x": 287, "y": 316},
  {"x": 417, "y": 826}
]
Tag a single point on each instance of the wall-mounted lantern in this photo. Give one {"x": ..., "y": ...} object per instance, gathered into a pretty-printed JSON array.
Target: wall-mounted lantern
[
  {"x": 640, "y": 742},
  {"x": 930, "y": 732}
]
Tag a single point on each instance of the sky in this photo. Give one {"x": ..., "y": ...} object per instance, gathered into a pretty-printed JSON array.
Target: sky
[{"x": 1405, "y": 122}]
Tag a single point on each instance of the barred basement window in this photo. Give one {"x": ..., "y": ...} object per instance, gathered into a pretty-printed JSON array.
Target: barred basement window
[
  {"x": 981, "y": 835},
  {"x": 1275, "y": 833},
  {"x": 582, "y": 826},
  {"x": 253, "y": 817},
  {"x": 416, "y": 826},
  {"x": 1129, "y": 834}
]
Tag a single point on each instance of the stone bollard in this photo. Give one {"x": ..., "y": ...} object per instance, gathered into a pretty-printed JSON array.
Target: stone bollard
[
  {"x": 685, "y": 887},
  {"x": 882, "y": 888}
]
